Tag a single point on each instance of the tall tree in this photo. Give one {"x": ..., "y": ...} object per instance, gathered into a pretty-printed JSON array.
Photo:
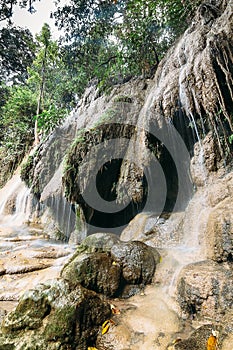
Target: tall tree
[
  {"x": 49, "y": 78},
  {"x": 45, "y": 40}
]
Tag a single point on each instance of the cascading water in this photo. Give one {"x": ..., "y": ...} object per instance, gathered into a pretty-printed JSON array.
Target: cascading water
[
  {"x": 27, "y": 255},
  {"x": 15, "y": 203}
]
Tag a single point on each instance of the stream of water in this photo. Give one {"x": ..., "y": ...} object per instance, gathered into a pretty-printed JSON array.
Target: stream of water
[{"x": 27, "y": 255}]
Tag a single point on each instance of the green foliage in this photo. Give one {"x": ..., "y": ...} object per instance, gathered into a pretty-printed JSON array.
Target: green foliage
[
  {"x": 50, "y": 118},
  {"x": 17, "y": 49},
  {"x": 115, "y": 40},
  {"x": 17, "y": 118},
  {"x": 7, "y": 7},
  {"x": 231, "y": 139},
  {"x": 16, "y": 124},
  {"x": 49, "y": 79}
]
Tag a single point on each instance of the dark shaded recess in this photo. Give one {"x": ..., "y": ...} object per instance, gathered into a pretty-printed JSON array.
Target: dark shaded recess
[
  {"x": 221, "y": 77},
  {"x": 106, "y": 180},
  {"x": 182, "y": 124},
  {"x": 169, "y": 170},
  {"x": 108, "y": 176},
  {"x": 218, "y": 52},
  {"x": 230, "y": 258},
  {"x": 224, "y": 127}
]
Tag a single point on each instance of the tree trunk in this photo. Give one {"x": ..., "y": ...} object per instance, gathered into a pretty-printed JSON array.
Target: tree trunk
[{"x": 40, "y": 97}]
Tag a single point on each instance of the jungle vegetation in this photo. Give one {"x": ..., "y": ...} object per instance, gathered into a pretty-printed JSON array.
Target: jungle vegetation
[{"x": 106, "y": 41}]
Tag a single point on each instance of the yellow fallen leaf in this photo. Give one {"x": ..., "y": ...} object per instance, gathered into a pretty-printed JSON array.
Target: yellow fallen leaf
[
  {"x": 212, "y": 342},
  {"x": 105, "y": 327},
  {"x": 91, "y": 348},
  {"x": 114, "y": 263},
  {"x": 177, "y": 340}
]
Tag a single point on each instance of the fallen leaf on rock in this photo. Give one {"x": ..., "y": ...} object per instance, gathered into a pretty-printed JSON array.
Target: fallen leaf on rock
[
  {"x": 177, "y": 340},
  {"x": 105, "y": 327},
  {"x": 115, "y": 311},
  {"x": 212, "y": 342}
]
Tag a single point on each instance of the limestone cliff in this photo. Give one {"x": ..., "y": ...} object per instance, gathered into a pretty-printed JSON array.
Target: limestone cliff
[
  {"x": 116, "y": 147},
  {"x": 157, "y": 153}
]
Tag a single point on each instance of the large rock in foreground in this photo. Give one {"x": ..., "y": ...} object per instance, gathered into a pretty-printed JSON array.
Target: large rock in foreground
[
  {"x": 206, "y": 289},
  {"x": 111, "y": 267},
  {"x": 52, "y": 316}
]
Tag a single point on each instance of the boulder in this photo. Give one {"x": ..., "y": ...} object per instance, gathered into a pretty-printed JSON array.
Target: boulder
[
  {"x": 196, "y": 341},
  {"x": 94, "y": 271},
  {"x": 137, "y": 261},
  {"x": 53, "y": 316},
  {"x": 99, "y": 242},
  {"x": 219, "y": 233},
  {"x": 112, "y": 268},
  {"x": 206, "y": 289}
]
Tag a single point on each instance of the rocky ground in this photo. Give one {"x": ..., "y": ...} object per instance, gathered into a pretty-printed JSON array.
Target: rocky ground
[
  {"x": 186, "y": 258},
  {"x": 168, "y": 290},
  {"x": 27, "y": 258}
]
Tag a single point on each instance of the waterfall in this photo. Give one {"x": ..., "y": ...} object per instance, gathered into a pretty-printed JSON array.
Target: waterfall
[
  {"x": 58, "y": 215},
  {"x": 15, "y": 202},
  {"x": 18, "y": 207}
]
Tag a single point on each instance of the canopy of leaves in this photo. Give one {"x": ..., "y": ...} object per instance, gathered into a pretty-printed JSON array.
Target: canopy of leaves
[
  {"x": 17, "y": 49},
  {"x": 113, "y": 40},
  {"x": 7, "y": 7}
]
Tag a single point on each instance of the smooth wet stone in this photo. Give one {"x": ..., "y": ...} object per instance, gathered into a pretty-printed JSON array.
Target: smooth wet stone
[
  {"x": 99, "y": 242},
  {"x": 94, "y": 271},
  {"x": 137, "y": 261}
]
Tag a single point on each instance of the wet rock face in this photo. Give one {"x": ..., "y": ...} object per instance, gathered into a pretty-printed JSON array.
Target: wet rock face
[
  {"x": 205, "y": 159},
  {"x": 94, "y": 271},
  {"x": 219, "y": 233},
  {"x": 137, "y": 261},
  {"x": 119, "y": 271},
  {"x": 206, "y": 289},
  {"x": 53, "y": 316},
  {"x": 196, "y": 341}
]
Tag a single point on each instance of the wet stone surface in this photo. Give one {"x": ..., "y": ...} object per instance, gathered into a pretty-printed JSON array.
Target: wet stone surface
[{"x": 27, "y": 258}]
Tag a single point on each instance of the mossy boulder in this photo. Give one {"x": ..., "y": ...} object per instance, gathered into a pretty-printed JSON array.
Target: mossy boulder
[
  {"x": 94, "y": 271},
  {"x": 54, "y": 316},
  {"x": 99, "y": 242},
  {"x": 106, "y": 265}
]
